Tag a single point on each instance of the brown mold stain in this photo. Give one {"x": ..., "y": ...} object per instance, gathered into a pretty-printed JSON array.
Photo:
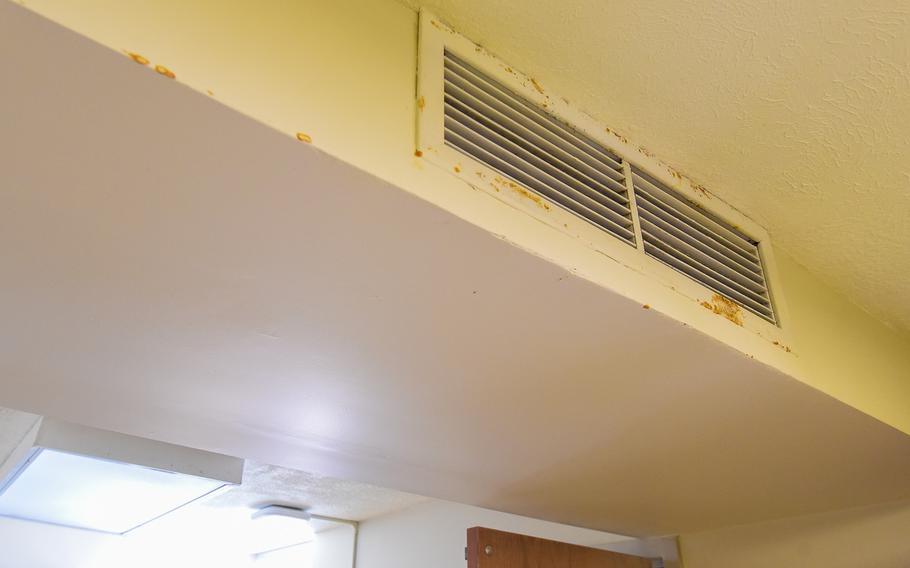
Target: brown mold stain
[
  {"x": 421, "y": 102},
  {"x": 782, "y": 346},
  {"x": 418, "y": 153},
  {"x": 304, "y": 137},
  {"x": 725, "y": 307},
  {"x": 162, "y": 70},
  {"x": 137, "y": 58},
  {"x": 537, "y": 86},
  {"x": 700, "y": 189},
  {"x": 536, "y": 199},
  {"x": 457, "y": 169},
  {"x": 646, "y": 306}
]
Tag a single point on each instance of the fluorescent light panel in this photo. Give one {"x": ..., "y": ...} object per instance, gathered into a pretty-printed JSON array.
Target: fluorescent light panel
[
  {"x": 84, "y": 492},
  {"x": 81, "y": 477}
]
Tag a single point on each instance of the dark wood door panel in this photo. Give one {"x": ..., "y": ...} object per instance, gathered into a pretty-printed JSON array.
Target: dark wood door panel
[{"x": 489, "y": 548}]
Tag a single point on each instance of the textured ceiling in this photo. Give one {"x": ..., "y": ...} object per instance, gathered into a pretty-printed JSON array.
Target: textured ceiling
[
  {"x": 794, "y": 112},
  {"x": 329, "y": 496}
]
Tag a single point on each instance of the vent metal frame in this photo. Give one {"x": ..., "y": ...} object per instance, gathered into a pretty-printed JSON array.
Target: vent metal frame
[{"x": 436, "y": 38}]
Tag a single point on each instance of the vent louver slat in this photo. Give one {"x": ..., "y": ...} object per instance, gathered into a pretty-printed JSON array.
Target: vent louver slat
[
  {"x": 701, "y": 246},
  {"x": 495, "y": 126}
]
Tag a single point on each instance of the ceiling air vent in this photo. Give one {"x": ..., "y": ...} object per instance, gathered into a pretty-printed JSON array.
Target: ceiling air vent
[
  {"x": 499, "y": 131},
  {"x": 493, "y": 125},
  {"x": 707, "y": 249}
]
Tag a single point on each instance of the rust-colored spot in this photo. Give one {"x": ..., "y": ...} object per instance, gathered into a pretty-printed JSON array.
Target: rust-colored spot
[
  {"x": 418, "y": 153},
  {"x": 537, "y": 86},
  {"x": 165, "y": 71},
  {"x": 782, "y": 346},
  {"x": 457, "y": 169},
  {"x": 137, "y": 58},
  {"x": 536, "y": 199},
  {"x": 509, "y": 70},
  {"x": 304, "y": 137},
  {"x": 617, "y": 135},
  {"x": 726, "y": 308},
  {"x": 700, "y": 189},
  {"x": 646, "y": 306},
  {"x": 421, "y": 102}
]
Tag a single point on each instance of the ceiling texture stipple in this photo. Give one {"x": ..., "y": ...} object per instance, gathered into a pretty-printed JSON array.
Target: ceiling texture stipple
[{"x": 794, "y": 112}]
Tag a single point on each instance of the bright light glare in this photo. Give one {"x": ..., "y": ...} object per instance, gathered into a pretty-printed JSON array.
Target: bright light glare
[
  {"x": 275, "y": 531},
  {"x": 300, "y": 556},
  {"x": 84, "y": 492}
]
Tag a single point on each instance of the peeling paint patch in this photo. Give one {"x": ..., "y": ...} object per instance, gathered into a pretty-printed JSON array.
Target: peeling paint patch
[
  {"x": 137, "y": 58},
  {"x": 612, "y": 132},
  {"x": 536, "y": 199},
  {"x": 162, "y": 70},
  {"x": 700, "y": 189},
  {"x": 726, "y": 308},
  {"x": 304, "y": 137}
]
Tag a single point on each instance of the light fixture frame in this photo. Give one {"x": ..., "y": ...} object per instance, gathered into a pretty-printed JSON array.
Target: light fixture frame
[{"x": 105, "y": 445}]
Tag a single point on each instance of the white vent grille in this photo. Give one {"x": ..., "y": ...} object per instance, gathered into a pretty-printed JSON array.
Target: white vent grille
[
  {"x": 710, "y": 251},
  {"x": 493, "y": 125}
]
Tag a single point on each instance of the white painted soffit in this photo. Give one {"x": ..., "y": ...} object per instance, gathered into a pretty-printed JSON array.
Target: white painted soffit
[{"x": 175, "y": 270}]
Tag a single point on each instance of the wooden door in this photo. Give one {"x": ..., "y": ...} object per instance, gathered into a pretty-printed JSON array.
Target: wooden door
[{"x": 488, "y": 548}]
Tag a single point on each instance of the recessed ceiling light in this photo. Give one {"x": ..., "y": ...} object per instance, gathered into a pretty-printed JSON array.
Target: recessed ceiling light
[
  {"x": 278, "y": 527},
  {"x": 80, "y": 477}
]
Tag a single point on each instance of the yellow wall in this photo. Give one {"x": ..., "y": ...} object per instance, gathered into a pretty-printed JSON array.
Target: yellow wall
[
  {"x": 876, "y": 536},
  {"x": 845, "y": 352},
  {"x": 343, "y": 74}
]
